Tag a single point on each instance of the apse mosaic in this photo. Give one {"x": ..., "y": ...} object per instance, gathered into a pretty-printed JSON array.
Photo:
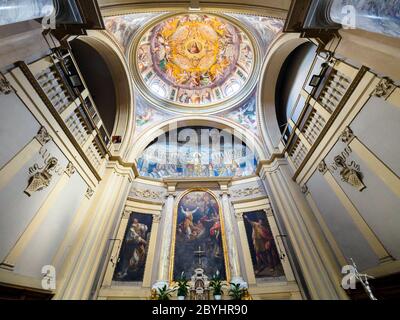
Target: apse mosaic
[
  {"x": 195, "y": 59},
  {"x": 198, "y": 237},
  {"x": 197, "y": 152}
]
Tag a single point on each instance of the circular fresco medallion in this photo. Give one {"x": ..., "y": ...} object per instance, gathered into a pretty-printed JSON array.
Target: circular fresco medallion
[{"x": 194, "y": 59}]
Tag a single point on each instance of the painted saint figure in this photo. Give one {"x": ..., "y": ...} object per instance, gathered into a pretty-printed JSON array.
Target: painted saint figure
[
  {"x": 136, "y": 237},
  {"x": 188, "y": 222},
  {"x": 263, "y": 242}
]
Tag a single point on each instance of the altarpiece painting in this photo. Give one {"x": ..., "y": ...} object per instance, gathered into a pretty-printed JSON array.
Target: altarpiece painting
[{"x": 199, "y": 236}]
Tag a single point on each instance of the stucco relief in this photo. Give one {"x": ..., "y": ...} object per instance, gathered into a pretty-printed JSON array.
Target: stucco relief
[
  {"x": 149, "y": 192},
  {"x": 248, "y": 190}
]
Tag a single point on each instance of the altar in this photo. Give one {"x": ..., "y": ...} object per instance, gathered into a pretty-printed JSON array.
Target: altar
[{"x": 199, "y": 286}]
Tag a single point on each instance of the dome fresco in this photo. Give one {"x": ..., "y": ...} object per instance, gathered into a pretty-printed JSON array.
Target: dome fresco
[{"x": 194, "y": 59}]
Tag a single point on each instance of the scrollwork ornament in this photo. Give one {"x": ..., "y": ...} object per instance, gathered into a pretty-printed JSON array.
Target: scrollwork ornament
[
  {"x": 147, "y": 194},
  {"x": 246, "y": 192},
  {"x": 384, "y": 88}
]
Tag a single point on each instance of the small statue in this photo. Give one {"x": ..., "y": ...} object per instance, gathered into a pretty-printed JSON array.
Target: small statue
[
  {"x": 153, "y": 295},
  {"x": 246, "y": 295}
]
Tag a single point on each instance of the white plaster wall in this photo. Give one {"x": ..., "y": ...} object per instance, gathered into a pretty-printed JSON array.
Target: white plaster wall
[
  {"x": 44, "y": 245},
  {"x": 377, "y": 126},
  {"x": 16, "y": 208},
  {"x": 377, "y": 204},
  {"x": 17, "y": 126},
  {"x": 349, "y": 239}
]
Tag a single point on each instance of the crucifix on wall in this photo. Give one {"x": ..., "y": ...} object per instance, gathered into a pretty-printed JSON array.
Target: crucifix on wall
[{"x": 200, "y": 253}]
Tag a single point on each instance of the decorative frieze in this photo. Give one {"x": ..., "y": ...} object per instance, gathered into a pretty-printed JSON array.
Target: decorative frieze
[
  {"x": 246, "y": 192},
  {"x": 350, "y": 173},
  {"x": 384, "y": 88},
  {"x": 43, "y": 136},
  {"x": 147, "y": 194},
  {"x": 40, "y": 177}
]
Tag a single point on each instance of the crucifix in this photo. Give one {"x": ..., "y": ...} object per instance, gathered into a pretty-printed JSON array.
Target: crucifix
[
  {"x": 363, "y": 278},
  {"x": 200, "y": 253}
]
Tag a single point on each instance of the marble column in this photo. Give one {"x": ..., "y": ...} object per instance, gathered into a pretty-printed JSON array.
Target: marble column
[
  {"x": 22, "y": 10},
  {"x": 371, "y": 15},
  {"x": 234, "y": 264},
  {"x": 163, "y": 271}
]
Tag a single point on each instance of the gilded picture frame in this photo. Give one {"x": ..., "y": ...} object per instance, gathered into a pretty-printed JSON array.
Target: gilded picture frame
[{"x": 174, "y": 231}]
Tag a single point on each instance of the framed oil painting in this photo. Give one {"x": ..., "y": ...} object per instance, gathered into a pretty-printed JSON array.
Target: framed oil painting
[
  {"x": 199, "y": 236},
  {"x": 134, "y": 247},
  {"x": 264, "y": 253}
]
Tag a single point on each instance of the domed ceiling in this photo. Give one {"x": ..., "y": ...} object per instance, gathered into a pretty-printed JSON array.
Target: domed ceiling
[{"x": 194, "y": 60}]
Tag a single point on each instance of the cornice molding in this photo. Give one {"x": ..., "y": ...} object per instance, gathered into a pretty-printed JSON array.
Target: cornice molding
[{"x": 130, "y": 8}]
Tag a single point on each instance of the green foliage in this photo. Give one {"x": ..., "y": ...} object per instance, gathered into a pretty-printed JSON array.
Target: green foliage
[
  {"x": 235, "y": 292},
  {"x": 164, "y": 293},
  {"x": 182, "y": 286},
  {"x": 216, "y": 284}
]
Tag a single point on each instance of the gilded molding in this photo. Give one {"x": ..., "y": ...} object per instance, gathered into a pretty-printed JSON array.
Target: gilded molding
[
  {"x": 43, "y": 136},
  {"x": 384, "y": 88},
  {"x": 40, "y": 178},
  {"x": 156, "y": 218}
]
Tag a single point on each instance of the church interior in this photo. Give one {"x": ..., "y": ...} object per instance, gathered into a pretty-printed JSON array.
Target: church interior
[{"x": 199, "y": 150}]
